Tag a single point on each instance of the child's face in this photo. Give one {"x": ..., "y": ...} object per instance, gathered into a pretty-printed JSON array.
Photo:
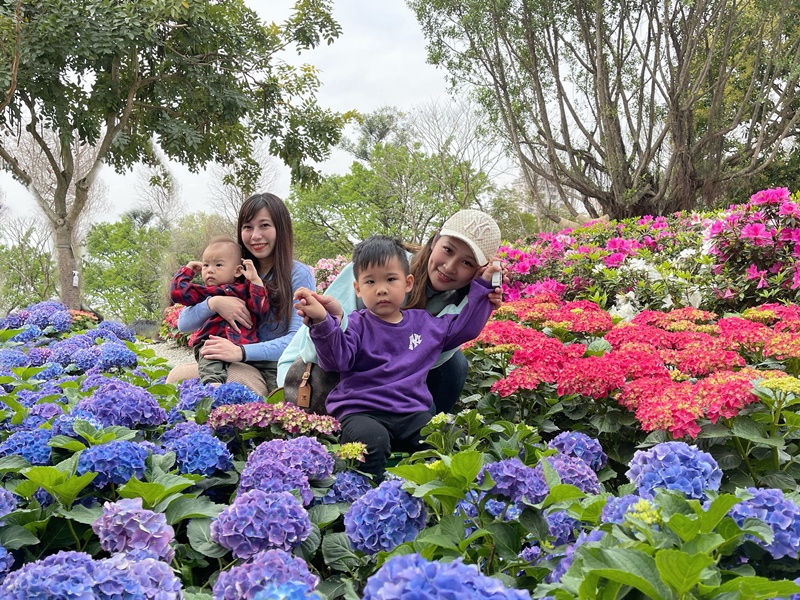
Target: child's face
[
  {"x": 222, "y": 264},
  {"x": 383, "y": 289},
  {"x": 452, "y": 264}
]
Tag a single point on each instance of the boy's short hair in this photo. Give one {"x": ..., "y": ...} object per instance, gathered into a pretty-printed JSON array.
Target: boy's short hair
[
  {"x": 378, "y": 250},
  {"x": 222, "y": 239}
]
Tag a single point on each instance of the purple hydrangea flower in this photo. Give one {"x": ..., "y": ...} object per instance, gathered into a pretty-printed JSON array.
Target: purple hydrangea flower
[
  {"x": 116, "y": 356},
  {"x": 15, "y": 320},
  {"x": 133, "y": 571},
  {"x": 62, "y": 575},
  {"x": 28, "y": 334},
  {"x": 119, "y": 330},
  {"x": 65, "y": 424},
  {"x": 516, "y": 481},
  {"x": 201, "y": 453},
  {"x": 191, "y": 392},
  {"x": 674, "y": 466},
  {"x": 270, "y": 475},
  {"x": 562, "y": 527},
  {"x": 116, "y": 402},
  {"x": 126, "y": 526},
  {"x": 181, "y": 429},
  {"x": 509, "y": 511},
  {"x": 348, "y": 487},
  {"x": 384, "y": 518},
  {"x": 556, "y": 574},
  {"x": 258, "y": 521},
  {"x": 233, "y": 393},
  {"x": 60, "y": 321},
  {"x": 273, "y": 567},
  {"x": 580, "y": 445},
  {"x": 101, "y": 334},
  {"x": 412, "y": 576},
  {"x": 573, "y": 471},
  {"x": 781, "y": 514},
  {"x": 10, "y": 358},
  {"x": 303, "y": 453},
  {"x": 94, "y": 380},
  {"x": 532, "y": 554},
  {"x": 8, "y": 504},
  {"x": 6, "y": 562},
  {"x": 152, "y": 448},
  {"x": 615, "y": 508},
  {"x": 46, "y": 410},
  {"x": 30, "y": 445},
  {"x": 38, "y": 356},
  {"x": 40, "y": 313},
  {"x": 114, "y": 462}
]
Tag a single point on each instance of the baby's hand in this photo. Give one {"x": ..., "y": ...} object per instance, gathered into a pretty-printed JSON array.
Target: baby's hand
[
  {"x": 195, "y": 265},
  {"x": 309, "y": 307},
  {"x": 250, "y": 273}
]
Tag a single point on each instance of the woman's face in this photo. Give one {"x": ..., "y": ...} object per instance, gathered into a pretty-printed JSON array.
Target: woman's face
[
  {"x": 258, "y": 236},
  {"x": 452, "y": 264}
]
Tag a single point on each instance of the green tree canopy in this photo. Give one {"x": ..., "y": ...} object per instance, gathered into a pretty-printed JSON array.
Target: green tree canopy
[
  {"x": 629, "y": 107},
  {"x": 200, "y": 79}
]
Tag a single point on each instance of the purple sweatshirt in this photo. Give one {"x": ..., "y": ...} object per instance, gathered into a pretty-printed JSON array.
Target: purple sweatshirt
[{"x": 384, "y": 366}]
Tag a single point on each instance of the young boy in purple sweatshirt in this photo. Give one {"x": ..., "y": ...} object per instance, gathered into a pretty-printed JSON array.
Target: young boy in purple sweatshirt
[{"x": 385, "y": 353}]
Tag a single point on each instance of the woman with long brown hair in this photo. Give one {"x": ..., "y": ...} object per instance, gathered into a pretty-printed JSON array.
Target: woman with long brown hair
[{"x": 264, "y": 232}]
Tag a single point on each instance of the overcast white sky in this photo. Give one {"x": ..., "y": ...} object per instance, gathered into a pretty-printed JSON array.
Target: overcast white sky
[{"x": 378, "y": 60}]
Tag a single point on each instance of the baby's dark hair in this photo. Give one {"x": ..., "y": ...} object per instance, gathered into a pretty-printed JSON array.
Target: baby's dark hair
[{"x": 378, "y": 250}]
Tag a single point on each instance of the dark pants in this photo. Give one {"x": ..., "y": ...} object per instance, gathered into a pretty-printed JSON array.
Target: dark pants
[
  {"x": 446, "y": 381},
  {"x": 216, "y": 371},
  {"x": 384, "y": 433}
]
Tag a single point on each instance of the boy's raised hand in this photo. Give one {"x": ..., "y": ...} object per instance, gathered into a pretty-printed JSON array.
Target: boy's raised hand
[
  {"x": 309, "y": 307},
  {"x": 195, "y": 265},
  {"x": 250, "y": 273}
]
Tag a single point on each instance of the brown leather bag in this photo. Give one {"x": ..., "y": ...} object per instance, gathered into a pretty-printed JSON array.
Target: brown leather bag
[{"x": 307, "y": 386}]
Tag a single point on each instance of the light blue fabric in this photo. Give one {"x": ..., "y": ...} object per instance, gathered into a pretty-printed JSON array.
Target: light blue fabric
[
  {"x": 342, "y": 289},
  {"x": 274, "y": 340}
]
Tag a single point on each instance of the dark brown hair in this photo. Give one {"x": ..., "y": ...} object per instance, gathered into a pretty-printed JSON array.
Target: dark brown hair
[
  {"x": 279, "y": 285},
  {"x": 418, "y": 297}
]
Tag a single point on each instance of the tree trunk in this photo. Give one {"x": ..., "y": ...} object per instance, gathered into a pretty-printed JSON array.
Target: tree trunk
[{"x": 68, "y": 272}]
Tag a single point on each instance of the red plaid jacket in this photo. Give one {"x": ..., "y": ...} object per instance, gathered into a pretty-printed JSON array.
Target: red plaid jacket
[{"x": 183, "y": 291}]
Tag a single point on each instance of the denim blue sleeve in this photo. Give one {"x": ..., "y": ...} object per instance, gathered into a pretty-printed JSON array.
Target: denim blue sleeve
[{"x": 192, "y": 318}]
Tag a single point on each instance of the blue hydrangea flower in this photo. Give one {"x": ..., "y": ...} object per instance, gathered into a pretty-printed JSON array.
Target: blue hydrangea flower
[
  {"x": 133, "y": 571},
  {"x": 384, "y": 518},
  {"x": 116, "y": 356},
  {"x": 201, "y": 453},
  {"x": 509, "y": 511},
  {"x": 101, "y": 334},
  {"x": 674, "y": 466},
  {"x": 348, "y": 487},
  {"x": 8, "y": 504},
  {"x": 62, "y": 575},
  {"x": 258, "y": 521},
  {"x": 51, "y": 370},
  {"x": 412, "y": 576},
  {"x": 11, "y": 357},
  {"x": 556, "y": 574},
  {"x": 615, "y": 508},
  {"x": 15, "y": 320},
  {"x": 516, "y": 481},
  {"x": 30, "y": 445},
  {"x": 181, "y": 429},
  {"x": 86, "y": 358},
  {"x": 580, "y": 445},
  {"x": 29, "y": 398},
  {"x": 153, "y": 448},
  {"x": 116, "y": 402},
  {"x": 94, "y": 380},
  {"x": 119, "y": 330},
  {"x": 28, "y": 334},
  {"x": 270, "y": 475},
  {"x": 6, "y": 562},
  {"x": 126, "y": 526},
  {"x": 60, "y": 321},
  {"x": 191, "y": 392},
  {"x": 65, "y": 424},
  {"x": 114, "y": 462},
  {"x": 572, "y": 471},
  {"x": 40, "y": 313},
  {"x": 304, "y": 453},
  {"x": 289, "y": 590},
  {"x": 233, "y": 393},
  {"x": 781, "y": 514},
  {"x": 273, "y": 567}
]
